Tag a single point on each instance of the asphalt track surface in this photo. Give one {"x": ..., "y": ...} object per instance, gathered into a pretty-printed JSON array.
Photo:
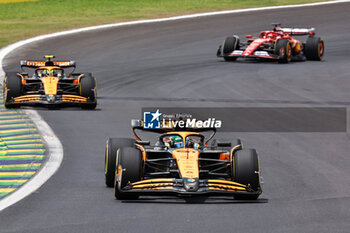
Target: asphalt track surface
[{"x": 173, "y": 64}]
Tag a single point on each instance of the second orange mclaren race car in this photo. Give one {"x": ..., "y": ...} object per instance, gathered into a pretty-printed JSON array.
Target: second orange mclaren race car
[
  {"x": 182, "y": 163},
  {"x": 49, "y": 85}
]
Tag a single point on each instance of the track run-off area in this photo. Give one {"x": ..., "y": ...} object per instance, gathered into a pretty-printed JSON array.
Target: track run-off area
[{"x": 173, "y": 64}]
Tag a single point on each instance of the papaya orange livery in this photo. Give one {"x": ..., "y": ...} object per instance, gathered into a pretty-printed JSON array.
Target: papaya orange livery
[
  {"x": 186, "y": 162},
  {"x": 50, "y": 83}
]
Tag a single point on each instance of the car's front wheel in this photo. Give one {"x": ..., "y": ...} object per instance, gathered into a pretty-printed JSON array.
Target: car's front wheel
[
  {"x": 12, "y": 88},
  {"x": 112, "y": 146},
  {"x": 230, "y": 44},
  {"x": 128, "y": 170},
  {"x": 87, "y": 88},
  {"x": 247, "y": 171},
  {"x": 283, "y": 50}
]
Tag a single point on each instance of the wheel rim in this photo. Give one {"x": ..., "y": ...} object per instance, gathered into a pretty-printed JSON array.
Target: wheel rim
[
  {"x": 282, "y": 52},
  {"x": 118, "y": 177},
  {"x": 320, "y": 49},
  {"x": 289, "y": 51},
  {"x": 106, "y": 159}
]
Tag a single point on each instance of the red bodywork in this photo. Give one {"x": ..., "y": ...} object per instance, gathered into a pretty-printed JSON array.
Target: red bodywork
[{"x": 267, "y": 39}]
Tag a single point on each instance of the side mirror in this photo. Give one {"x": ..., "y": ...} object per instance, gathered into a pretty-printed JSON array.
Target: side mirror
[
  {"x": 143, "y": 143},
  {"x": 224, "y": 144},
  {"x": 248, "y": 36},
  {"x": 136, "y": 123}
]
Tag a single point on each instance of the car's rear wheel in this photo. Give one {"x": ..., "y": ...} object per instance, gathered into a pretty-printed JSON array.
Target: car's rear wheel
[
  {"x": 87, "y": 88},
  {"x": 230, "y": 44},
  {"x": 283, "y": 50},
  {"x": 129, "y": 170},
  {"x": 314, "y": 48},
  {"x": 112, "y": 145},
  {"x": 247, "y": 171},
  {"x": 12, "y": 88}
]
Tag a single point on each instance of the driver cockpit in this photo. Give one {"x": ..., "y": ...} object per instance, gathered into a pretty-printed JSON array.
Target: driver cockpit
[
  {"x": 44, "y": 72},
  {"x": 176, "y": 141}
]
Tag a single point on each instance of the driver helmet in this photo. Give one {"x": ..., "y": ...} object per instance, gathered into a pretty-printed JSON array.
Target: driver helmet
[
  {"x": 54, "y": 73},
  {"x": 49, "y": 73},
  {"x": 276, "y": 28},
  {"x": 177, "y": 142},
  {"x": 45, "y": 73}
]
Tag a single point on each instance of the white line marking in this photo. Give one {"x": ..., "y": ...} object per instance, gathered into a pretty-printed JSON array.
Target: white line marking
[
  {"x": 50, "y": 166},
  {"x": 54, "y": 145}
]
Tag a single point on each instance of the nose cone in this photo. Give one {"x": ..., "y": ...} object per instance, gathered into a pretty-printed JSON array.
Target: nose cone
[
  {"x": 51, "y": 98},
  {"x": 191, "y": 185}
]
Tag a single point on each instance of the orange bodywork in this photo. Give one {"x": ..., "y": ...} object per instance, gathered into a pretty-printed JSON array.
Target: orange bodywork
[
  {"x": 74, "y": 98},
  {"x": 224, "y": 156},
  {"x": 187, "y": 161},
  {"x": 27, "y": 98},
  {"x": 50, "y": 85}
]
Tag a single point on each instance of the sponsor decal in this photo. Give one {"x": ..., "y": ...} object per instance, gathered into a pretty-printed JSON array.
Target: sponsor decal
[
  {"x": 237, "y": 52},
  {"x": 261, "y": 53},
  {"x": 157, "y": 120},
  {"x": 151, "y": 120}
]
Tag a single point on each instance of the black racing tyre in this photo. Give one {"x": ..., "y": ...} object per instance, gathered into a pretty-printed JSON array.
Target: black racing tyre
[
  {"x": 314, "y": 48},
  {"x": 87, "y": 88},
  {"x": 112, "y": 145},
  {"x": 283, "y": 50},
  {"x": 230, "y": 44},
  {"x": 247, "y": 171},
  {"x": 12, "y": 88},
  {"x": 129, "y": 170}
]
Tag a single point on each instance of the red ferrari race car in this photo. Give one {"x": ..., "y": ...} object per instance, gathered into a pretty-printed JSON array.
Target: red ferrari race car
[{"x": 278, "y": 44}]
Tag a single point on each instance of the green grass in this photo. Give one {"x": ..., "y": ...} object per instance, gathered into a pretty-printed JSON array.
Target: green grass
[{"x": 24, "y": 19}]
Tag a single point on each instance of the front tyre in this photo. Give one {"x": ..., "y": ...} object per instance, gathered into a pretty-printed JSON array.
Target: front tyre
[
  {"x": 314, "y": 48},
  {"x": 12, "y": 88},
  {"x": 283, "y": 50},
  {"x": 247, "y": 172},
  {"x": 112, "y": 146},
  {"x": 87, "y": 88},
  {"x": 230, "y": 44},
  {"x": 129, "y": 170}
]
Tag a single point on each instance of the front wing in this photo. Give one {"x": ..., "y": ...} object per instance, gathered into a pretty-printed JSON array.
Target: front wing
[
  {"x": 170, "y": 186},
  {"x": 49, "y": 99},
  {"x": 256, "y": 54}
]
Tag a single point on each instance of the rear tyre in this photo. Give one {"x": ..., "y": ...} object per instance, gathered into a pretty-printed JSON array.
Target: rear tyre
[
  {"x": 129, "y": 170},
  {"x": 247, "y": 172},
  {"x": 230, "y": 44},
  {"x": 112, "y": 145},
  {"x": 12, "y": 88},
  {"x": 314, "y": 49},
  {"x": 87, "y": 88},
  {"x": 283, "y": 50}
]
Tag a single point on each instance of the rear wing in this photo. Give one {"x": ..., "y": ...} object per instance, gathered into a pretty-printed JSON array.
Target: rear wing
[
  {"x": 37, "y": 64},
  {"x": 299, "y": 31}
]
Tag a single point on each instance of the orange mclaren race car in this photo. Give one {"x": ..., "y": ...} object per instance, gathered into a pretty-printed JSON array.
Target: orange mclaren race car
[
  {"x": 181, "y": 163},
  {"x": 49, "y": 85}
]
